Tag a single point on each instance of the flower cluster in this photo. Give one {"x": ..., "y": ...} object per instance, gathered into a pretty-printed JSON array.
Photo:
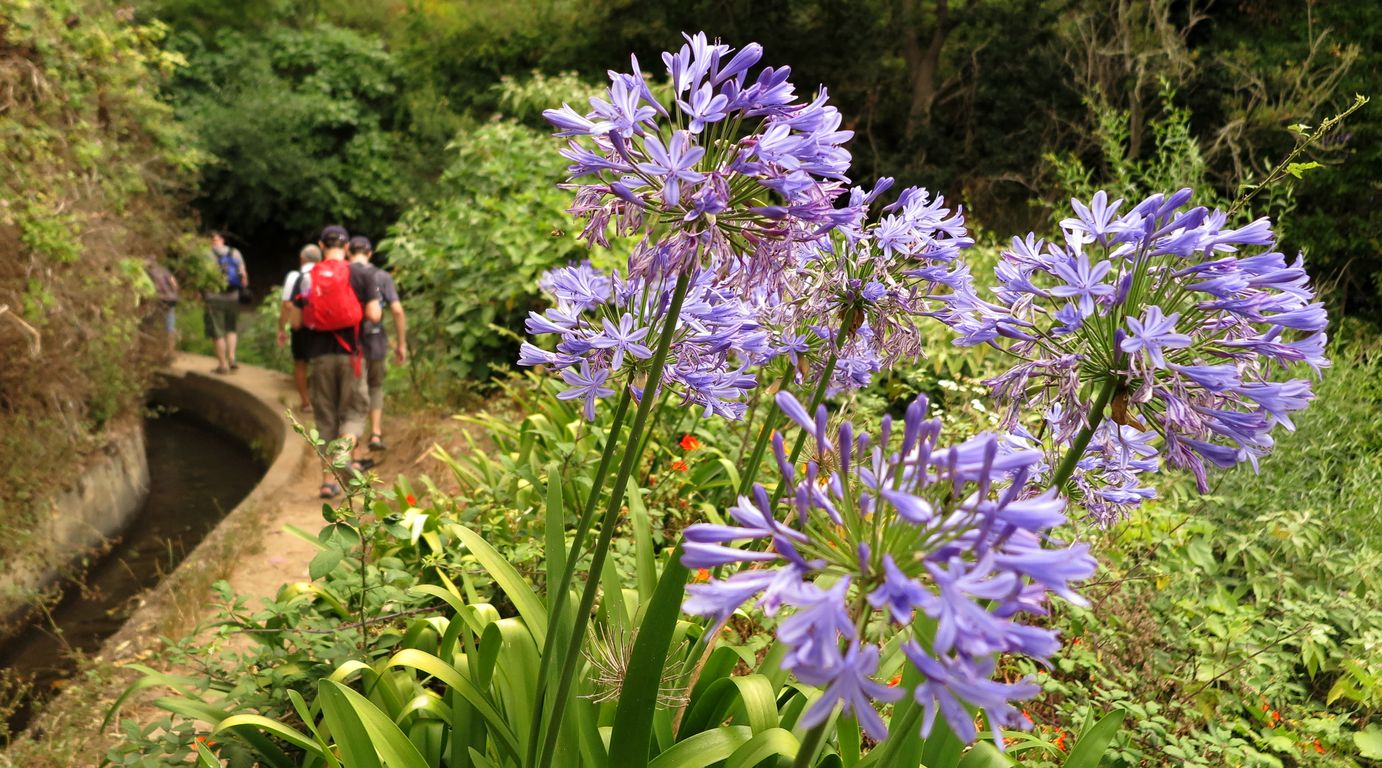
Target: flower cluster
[
  {"x": 856, "y": 296},
  {"x": 606, "y": 327},
  {"x": 875, "y": 531},
  {"x": 730, "y": 162},
  {"x": 1165, "y": 314}
]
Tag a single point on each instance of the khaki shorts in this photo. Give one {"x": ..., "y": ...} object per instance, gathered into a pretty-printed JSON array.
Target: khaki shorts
[
  {"x": 338, "y": 396},
  {"x": 222, "y": 316},
  {"x": 374, "y": 376}
]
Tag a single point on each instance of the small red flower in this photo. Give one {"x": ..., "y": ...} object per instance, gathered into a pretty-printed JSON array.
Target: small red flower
[
  {"x": 689, "y": 443},
  {"x": 1276, "y": 717},
  {"x": 679, "y": 465},
  {"x": 897, "y": 678},
  {"x": 1060, "y": 740},
  {"x": 702, "y": 575},
  {"x": 652, "y": 480},
  {"x": 1028, "y": 715},
  {"x": 411, "y": 499},
  {"x": 1318, "y": 748}
]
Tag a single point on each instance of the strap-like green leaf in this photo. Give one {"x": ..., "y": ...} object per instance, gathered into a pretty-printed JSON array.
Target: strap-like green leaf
[
  {"x": 529, "y": 606},
  {"x": 429, "y": 664},
  {"x": 291, "y": 735},
  {"x": 1089, "y": 751},
  {"x": 984, "y": 755},
  {"x": 633, "y": 720},
  {"x": 381, "y": 735},
  {"x": 643, "y": 542},
  {"x": 703, "y": 749},
  {"x": 749, "y": 697},
  {"x": 774, "y": 741}
]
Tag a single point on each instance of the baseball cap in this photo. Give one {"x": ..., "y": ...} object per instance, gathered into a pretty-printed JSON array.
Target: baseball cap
[
  {"x": 360, "y": 244},
  {"x": 334, "y": 234}
]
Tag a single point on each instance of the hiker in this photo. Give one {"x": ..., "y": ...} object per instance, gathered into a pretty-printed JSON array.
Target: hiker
[
  {"x": 376, "y": 341},
  {"x": 166, "y": 292},
  {"x": 223, "y": 307},
  {"x": 307, "y": 258},
  {"x": 331, "y": 301}
]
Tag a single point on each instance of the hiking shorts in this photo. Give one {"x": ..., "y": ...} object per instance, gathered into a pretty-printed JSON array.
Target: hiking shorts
[
  {"x": 338, "y": 396},
  {"x": 222, "y": 316},
  {"x": 374, "y": 377},
  {"x": 297, "y": 343}
]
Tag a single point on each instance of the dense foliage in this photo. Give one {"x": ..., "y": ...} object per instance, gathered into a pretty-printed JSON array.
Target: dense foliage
[
  {"x": 302, "y": 126},
  {"x": 470, "y": 260},
  {"x": 93, "y": 172}
]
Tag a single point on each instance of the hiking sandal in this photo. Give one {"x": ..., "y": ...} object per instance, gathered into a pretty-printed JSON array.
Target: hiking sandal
[
  {"x": 234, "y": 365},
  {"x": 376, "y": 442},
  {"x": 361, "y": 465},
  {"x": 220, "y": 370}
]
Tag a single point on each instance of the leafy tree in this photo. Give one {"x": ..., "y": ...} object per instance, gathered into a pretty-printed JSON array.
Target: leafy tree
[
  {"x": 468, "y": 262},
  {"x": 301, "y": 126}
]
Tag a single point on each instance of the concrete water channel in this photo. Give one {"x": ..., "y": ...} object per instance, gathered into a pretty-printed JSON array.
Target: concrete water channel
[
  {"x": 216, "y": 448},
  {"x": 197, "y": 473}
]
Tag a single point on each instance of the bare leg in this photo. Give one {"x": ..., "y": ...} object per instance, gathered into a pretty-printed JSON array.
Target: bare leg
[
  {"x": 376, "y": 422},
  {"x": 300, "y": 379},
  {"x": 231, "y": 339},
  {"x": 221, "y": 353}
]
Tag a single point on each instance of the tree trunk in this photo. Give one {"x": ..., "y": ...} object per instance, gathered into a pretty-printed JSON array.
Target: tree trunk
[{"x": 923, "y": 64}]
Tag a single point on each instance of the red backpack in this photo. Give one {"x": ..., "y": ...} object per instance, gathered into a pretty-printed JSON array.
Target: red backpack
[{"x": 331, "y": 302}]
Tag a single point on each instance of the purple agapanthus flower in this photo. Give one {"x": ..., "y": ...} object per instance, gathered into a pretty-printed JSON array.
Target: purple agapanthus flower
[
  {"x": 902, "y": 526},
  {"x": 641, "y": 163},
  {"x": 604, "y": 325},
  {"x": 1183, "y": 322}
]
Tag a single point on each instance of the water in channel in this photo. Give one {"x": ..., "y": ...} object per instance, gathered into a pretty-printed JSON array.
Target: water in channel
[{"x": 197, "y": 473}]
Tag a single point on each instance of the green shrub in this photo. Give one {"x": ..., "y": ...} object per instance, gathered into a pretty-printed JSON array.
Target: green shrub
[
  {"x": 468, "y": 263},
  {"x": 1241, "y": 628},
  {"x": 93, "y": 176}
]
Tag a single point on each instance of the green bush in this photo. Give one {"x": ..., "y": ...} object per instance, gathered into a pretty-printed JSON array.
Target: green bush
[
  {"x": 1241, "y": 628},
  {"x": 93, "y": 175},
  {"x": 468, "y": 264}
]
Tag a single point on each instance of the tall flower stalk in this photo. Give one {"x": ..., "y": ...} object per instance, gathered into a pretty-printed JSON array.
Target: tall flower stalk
[{"x": 720, "y": 177}]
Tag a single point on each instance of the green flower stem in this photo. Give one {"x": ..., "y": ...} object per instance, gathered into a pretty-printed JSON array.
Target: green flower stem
[
  {"x": 817, "y": 398},
  {"x": 632, "y": 454},
  {"x": 761, "y": 445},
  {"x": 1096, "y": 415},
  {"x": 811, "y": 745},
  {"x": 883, "y": 754},
  {"x": 560, "y": 596}
]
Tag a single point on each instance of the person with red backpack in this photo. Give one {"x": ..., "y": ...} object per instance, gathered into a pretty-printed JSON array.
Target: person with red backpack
[{"x": 332, "y": 301}]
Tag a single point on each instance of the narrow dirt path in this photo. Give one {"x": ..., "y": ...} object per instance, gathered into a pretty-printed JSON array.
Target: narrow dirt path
[{"x": 278, "y": 557}]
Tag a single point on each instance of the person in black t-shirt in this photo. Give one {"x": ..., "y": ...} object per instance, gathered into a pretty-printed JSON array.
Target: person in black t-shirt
[
  {"x": 376, "y": 341},
  {"x": 335, "y": 375}
]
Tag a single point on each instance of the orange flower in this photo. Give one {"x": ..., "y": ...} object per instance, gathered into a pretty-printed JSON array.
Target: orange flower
[
  {"x": 206, "y": 741},
  {"x": 897, "y": 678},
  {"x": 702, "y": 575},
  {"x": 1028, "y": 715},
  {"x": 411, "y": 499},
  {"x": 1060, "y": 740},
  {"x": 652, "y": 480},
  {"x": 1318, "y": 748},
  {"x": 679, "y": 465},
  {"x": 689, "y": 443},
  {"x": 1276, "y": 717}
]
